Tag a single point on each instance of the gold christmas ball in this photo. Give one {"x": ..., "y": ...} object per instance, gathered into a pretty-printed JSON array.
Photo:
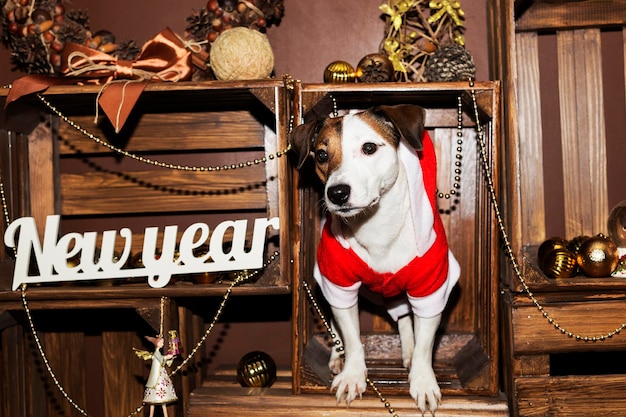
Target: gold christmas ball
[
  {"x": 241, "y": 54},
  {"x": 559, "y": 263},
  {"x": 339, "y": 72},
  {"x": 547, "y": 246},
  {"x": 374, "y": 68},
  {"x": 597, "y": 256},
  {"x": 256, "y": 369},
  {"x": 575, "y": 243}
]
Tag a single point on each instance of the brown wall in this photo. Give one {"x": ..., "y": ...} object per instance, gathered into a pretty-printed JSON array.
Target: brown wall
[{"x": 312, "y": 34}]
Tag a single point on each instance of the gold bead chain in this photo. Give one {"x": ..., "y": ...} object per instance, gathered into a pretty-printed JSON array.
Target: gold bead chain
[
  {"x": 456, "y": 185},
  {"x": 338, "y": 346},
  {"x": 156, "y": 163},
  {"x": 507, "y": 243},
  {"x": 239, "y": 279}
]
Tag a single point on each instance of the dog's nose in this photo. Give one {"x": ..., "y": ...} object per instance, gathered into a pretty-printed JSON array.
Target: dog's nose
[{"x": 338, "y": 194}]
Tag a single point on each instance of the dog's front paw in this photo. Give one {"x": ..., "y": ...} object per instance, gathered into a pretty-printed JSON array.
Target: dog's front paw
[
  {"x": 424, "y": 388},
  {"x": 350, "y": 383}
]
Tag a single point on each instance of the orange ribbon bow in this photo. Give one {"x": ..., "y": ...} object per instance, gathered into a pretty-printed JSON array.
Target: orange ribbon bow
[{"x": 163, "y": 58}]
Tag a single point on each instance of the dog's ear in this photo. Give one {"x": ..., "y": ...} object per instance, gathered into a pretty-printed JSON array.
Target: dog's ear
[
  {"x": 301, "y": 140},
  {"x": 408, "y": 119}
]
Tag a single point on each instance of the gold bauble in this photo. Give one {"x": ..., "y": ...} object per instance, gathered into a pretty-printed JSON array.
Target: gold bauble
[
  {"x": 339, "y": 72},
  {"x": 559, "y": 263},
  {"x": 547, "y": 246},
  {"x": 597, "y": 256},
  {"x": 256, "y": 369},
  {"x": 575, "y": 243},
  {"x": 374, "y": 68}
]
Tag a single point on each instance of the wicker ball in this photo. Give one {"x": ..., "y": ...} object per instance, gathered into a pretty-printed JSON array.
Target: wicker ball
[
  {"x": 241, "y": 54},
  {"x": 450, "y": 63}
]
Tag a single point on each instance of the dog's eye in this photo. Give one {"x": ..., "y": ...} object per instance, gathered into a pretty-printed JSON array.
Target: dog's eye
[
  {"x": 321, "y": 156},
  {"x": 369, "y": 148}
]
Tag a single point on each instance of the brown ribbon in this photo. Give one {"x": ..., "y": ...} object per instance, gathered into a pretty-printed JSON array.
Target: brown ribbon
[{"x": 162, "y": 58}]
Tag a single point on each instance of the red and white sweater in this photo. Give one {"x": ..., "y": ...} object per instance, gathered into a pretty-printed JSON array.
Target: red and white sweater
[{"x": 427, "y": 280}]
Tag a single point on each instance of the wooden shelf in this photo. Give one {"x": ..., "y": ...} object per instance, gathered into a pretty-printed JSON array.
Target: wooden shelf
[{"x": 221, "y": 394}]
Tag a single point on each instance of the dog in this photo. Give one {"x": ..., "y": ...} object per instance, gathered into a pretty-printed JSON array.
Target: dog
[{"x": 383, "y": 232}]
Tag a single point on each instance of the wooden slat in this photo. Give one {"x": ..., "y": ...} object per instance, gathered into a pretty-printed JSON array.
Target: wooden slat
[
  {"x": 571, "y": 396},
  {"x": 583, "y": 133},
  {"x": 66, "y": 358},
  {"x": 273, "y": 402},
  {"x": 123, "y": 372},
  {"x": 168, "y": 131},
  {"x": 505, "y": 68},
  {"x": 572, "y": 14},
  {"x": 533, "y": 334},
  {"x": 531, "y": 138},
  {"x": 41, "y": 178},
  {"x": 163, "y": 191}
]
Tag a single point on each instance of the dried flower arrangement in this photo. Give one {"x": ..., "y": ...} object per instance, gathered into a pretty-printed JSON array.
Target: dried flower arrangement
[{"x": 424, "y": 40}]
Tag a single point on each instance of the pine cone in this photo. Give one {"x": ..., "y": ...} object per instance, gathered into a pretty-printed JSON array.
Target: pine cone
[
  {"x": 80, "y": 17},
  {"x": 199, "y": 24},
  {"x": 273, "y": 10},
  {"x": 71, "y": 31},
  {"x": 450, "y": 63},
  {"x": 127, "y": 50},
  {"x": 30, "y": 56}
]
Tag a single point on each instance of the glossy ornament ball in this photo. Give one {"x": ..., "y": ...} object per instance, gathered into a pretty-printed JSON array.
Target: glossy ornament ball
[
  {"x": 597, "y": 256},
  {"x": 559, "y": 263},
  {"x": 374, "y": 68},
  {"x": 339, "y": 72},
  {"x": 241, "y": 54},
  {"x": 547, "y": 246},
  {"x": 575, "y": 243},
  {"x": 256, "y": 369}
]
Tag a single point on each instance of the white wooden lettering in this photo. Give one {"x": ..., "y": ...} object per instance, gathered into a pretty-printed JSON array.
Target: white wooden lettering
[{"x": 52, "y": 255}]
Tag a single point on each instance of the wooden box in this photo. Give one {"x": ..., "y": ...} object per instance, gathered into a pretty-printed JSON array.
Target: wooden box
[
  {"x": 563, "y": 172},
  {"x": 59, "y": 163},
  {"x": 467, "y": 347}
]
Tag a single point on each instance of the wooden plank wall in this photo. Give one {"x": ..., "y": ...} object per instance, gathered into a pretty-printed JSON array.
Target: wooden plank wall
[{"x": 583, "y": 138}]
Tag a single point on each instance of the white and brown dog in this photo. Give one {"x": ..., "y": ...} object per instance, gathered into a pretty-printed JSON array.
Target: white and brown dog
[{"x": 383, "y": 231}]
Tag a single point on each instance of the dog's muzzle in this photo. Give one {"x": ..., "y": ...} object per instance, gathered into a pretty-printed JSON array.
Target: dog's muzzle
[{"x": 338, "y": 194}]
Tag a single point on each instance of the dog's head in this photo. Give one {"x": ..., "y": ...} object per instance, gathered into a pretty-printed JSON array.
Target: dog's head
[{"x": 356, "y": 155}]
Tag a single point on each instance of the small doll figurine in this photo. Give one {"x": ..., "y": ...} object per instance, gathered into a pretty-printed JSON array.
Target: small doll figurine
[{"x": 159, "y": 386}]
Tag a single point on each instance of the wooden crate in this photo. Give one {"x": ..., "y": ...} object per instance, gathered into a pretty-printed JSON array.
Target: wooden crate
[
  {"x": 51, "y": 167},
  {"x": 466, "y": 351},
  {"x": 562, "y": 173}
]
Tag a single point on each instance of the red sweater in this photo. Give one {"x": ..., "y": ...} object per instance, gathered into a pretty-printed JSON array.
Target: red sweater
[{"x": 419, "y": 278}]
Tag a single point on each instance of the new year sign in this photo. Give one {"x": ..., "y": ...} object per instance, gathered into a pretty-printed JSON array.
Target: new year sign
[{"x": 52, "y": 254}]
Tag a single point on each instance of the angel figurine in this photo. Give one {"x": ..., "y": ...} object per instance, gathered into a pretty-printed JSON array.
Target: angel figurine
[{"x": 159, "y": 386}]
